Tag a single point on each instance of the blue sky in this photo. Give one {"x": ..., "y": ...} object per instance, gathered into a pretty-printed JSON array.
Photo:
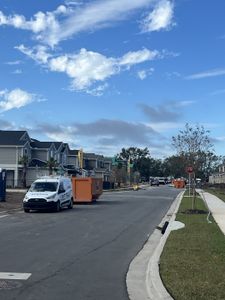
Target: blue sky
[{"x": 107, "y": 74}]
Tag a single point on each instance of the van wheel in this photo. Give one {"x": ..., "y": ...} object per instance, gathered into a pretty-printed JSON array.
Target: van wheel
[
  {"x": 58, "y": 207},
  {"x": 70, "y": 206},
  {"x": 26, "y": 210}
]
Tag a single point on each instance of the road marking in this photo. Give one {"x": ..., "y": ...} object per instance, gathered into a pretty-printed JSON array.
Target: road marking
[
  {"x": 15, "y": 276},
  {"x": 3, "y": 216}
]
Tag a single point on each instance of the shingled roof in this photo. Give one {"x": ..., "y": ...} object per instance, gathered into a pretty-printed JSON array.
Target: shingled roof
[
  {"x": 37, "y": 163},
  {"x": 9, "y": 138},
  {"x": 73, "y": 152},
  {"x": 57, "y": 144},
  {"x": 41, "y": 145}
]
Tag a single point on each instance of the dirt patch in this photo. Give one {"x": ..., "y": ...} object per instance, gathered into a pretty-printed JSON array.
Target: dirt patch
[{"x": 13, "y": 201}]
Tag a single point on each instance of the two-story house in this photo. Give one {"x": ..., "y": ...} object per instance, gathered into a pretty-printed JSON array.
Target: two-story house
[
  {"x": 13, "y": 146},
  {"x": 97, "y": 166},
  {"x": 73, "y": 164}
]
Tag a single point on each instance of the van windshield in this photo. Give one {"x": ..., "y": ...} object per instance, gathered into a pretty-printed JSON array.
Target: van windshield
[{"x": 44, "y": 187}]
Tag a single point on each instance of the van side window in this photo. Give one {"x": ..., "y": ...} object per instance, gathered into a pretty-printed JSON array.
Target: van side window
[
  {"x": 67, "y": 184},
  {"x": 61, "y": 187}
]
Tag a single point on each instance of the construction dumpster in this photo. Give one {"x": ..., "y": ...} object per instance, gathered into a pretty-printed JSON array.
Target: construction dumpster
[
  {"x": 179, "y": 184},
  {"x": 2, "y": 185},
  {"x": 86, "y": 189}
]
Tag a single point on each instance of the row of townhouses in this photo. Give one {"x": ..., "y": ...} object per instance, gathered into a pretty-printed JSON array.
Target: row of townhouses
[{"x": 15, "y": 146}]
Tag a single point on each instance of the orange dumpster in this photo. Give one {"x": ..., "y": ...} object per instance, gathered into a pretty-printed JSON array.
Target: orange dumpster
[
  {"x": 86, "y": 189},
  {"x": 179, "y": 184}
]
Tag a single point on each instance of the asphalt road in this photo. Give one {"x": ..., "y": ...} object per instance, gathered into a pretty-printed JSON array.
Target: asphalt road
[{"x": 82, "y": 253}]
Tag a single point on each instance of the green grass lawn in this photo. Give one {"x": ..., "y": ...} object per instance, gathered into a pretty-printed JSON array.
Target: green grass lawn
[{"x": 192, "y": 265}]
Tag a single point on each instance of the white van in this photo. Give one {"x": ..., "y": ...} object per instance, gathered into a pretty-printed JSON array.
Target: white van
[{"x": 49, "y": 193}]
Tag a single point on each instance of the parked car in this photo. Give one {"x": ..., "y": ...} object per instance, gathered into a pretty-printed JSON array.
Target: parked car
[
  {"x": 162, "y": 180},
  {"x": 49, "y": 193},
  {"x": 154, "y": 181}
]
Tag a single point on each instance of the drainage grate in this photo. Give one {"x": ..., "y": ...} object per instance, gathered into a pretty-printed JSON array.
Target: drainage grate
[{"x": 9, "y": 284}]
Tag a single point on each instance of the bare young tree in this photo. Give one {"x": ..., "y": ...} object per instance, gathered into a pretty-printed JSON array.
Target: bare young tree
[{"x": 194, "y": 146}]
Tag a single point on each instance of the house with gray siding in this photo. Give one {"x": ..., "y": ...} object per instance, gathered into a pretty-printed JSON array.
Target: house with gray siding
[
  {"x": 73, "y": 164},
  {"x": 13, "y": 146},
  {"x": 97, "y": 166}
]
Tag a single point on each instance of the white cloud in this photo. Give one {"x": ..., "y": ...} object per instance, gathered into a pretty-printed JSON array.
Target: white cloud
[
  {"x": 184, "y": 103},
  {"x": 74, "y": 17},
  {"x": 165, "y": 126},
  {"x": 142, "y": 74},
  {"x": 99, "y": 90},
  {"x": 39, "y": 53},
  {"x": 133, "y": 58},
  {"x": 170, "y": 75},
  {"x": 13, "y": 63},
  {"x": 16, "y": 98},
  {"x": 71, "y": 3},
  {"x": 95, "y": 15},
  {"x": 210, "y": 73},
  {"x": 86, "y": 68},
  {"x": 218, "y": 92},
  {"x": 40, "y": 24},
  {"x": 17, "y": 71},
  {"x": 160, "y": 18},
  {"x": 66, "y": 137}
]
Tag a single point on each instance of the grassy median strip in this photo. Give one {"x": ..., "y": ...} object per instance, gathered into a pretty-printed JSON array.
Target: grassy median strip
[{"x": 192, "y": 265}]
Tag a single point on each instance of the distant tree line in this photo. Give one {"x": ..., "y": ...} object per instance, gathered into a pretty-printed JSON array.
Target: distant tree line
[{"x": 193, "y": 148}]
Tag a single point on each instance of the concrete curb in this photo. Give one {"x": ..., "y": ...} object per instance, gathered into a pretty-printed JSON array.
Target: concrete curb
[
  {"x": 143, "y": 279},
  {"x": 16, "y": 190}
]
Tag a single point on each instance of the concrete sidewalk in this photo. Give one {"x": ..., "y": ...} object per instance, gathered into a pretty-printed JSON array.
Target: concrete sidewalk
[{"x": 216, "y": 207}]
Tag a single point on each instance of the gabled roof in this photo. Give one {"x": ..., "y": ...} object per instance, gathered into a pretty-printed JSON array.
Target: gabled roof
[
  {"x": 57, "y": 144},
  {"x": 73, "y": 152},
  {"x": 65, "y": 146},
  {"x": 9, "y": 137},
  {"x": 41, "y": 145},
  {"x": 37, "y": 163},
  {"x": 92, "y": 156}
]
